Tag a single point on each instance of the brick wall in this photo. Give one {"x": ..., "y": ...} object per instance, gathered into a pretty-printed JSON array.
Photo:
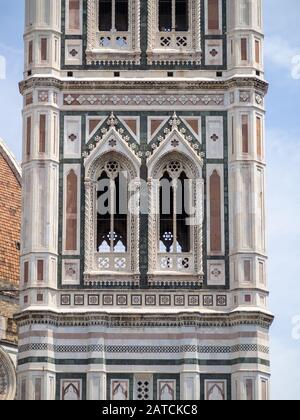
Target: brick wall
[{"x": 10, "y": 224}]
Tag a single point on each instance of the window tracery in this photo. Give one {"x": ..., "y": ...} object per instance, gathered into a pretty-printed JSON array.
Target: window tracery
[
  {"x": 175, "y": 226},
  {"x": 113, "y": 31},
  {"x": 112, "y": 253},
  {"x": 174, "y": 31}
]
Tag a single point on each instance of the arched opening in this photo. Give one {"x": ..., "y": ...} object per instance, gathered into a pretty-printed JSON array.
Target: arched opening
[
  {"x": 176, "y": 226},
  {"x": 112, "y": 209},
  {"x": 174, "y": 200}
]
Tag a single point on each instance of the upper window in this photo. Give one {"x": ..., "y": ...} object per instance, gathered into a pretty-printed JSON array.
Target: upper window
[
  {"x": 173, "y": 15},
  {"x": 174, "y": 34},
  {"x": 113, "y": 15}
]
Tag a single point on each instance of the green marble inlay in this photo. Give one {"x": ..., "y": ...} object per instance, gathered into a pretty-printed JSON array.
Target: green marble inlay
[
  {"x": 143, "y": 146},
  {"x": 144, "y": 40}
]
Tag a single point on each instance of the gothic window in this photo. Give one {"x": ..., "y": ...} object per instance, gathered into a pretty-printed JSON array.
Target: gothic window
[
  {"x": 175, "y": 226},
  {"x": 112, "y": 210},
  {"x": 113, "y": 31},
  {"x": 174, "y": 200},
  {"x": 174, "y": 31},
  {"x": 113, "y": 15},
  {"x": 112, "y": 220},
  {"x": 173, "y": 15},
  {"x": 113, "y": 20}
]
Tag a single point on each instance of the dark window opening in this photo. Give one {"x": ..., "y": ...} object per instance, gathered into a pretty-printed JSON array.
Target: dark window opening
[
  {"x": 112, "y": 214},
  {"x": 113, "y": 15},
  {"x": 165, "y": 15},
  {"x": 122, "y": 15},
  {"x": 174, "y": 212},
  {"x": 182, "y": 15},
  {"x": 173, "y": 15},
  {"x": 105, "y": 15}
]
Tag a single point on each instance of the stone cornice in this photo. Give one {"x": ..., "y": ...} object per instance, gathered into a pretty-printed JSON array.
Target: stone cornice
[
  {"x": 154, "y": 320},
  {"x": 149, "y": 84}
]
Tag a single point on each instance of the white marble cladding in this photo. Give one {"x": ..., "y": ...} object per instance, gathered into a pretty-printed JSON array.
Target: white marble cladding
[
  {"x": 108, "y": 347},
  {"x": 112, "y": 99},
  {"x": 64, "y": 341},
  {"x": 102, "y": 98},
  {"x": 122, "y": 301}
]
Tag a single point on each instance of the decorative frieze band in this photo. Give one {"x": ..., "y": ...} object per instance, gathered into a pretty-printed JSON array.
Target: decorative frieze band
[
  {"x": 71, "y": 99},
  {"x": 120, "y": 85},
  {"x": 149, "y": 300},
  {"x": 109, "y": 320},
  {"x": 142, "y": 349}
]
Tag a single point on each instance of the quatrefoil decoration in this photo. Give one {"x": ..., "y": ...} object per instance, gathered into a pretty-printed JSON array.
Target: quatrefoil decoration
[
  {"x": 214, "y": 137},
  {"x": 72, "y": 137},
  {"x": 73, "y": 52},
  {"x": 216, "y": 272},
  {"x": 214, "y": 52}
]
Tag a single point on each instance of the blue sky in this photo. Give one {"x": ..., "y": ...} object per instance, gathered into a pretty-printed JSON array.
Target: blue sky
[{"x": 282, "y": 49}]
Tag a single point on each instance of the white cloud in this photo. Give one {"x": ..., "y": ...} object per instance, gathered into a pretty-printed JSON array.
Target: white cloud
[
  {"x": 283, "y": 197},
  {"x": 279, "y": 52},
  {"x": 285, "y": 383},
  {"x": 283, "y": 176},
  {"x": 11, "y": 50}
]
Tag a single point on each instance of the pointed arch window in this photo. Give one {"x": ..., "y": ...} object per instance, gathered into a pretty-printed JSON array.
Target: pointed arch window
[
  {"x": 112, "y": 210},
  {"x": 175, "y": 224},
  {"x": 175, "y": 235},
  {"x": 112, "y": 220}
]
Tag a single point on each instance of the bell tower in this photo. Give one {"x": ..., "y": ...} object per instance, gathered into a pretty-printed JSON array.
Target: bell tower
[{"x": 143, "y": 252}]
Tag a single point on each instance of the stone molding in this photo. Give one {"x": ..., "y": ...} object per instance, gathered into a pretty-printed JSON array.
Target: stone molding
[
  {"x": 119, "y": 85},
  {"x": 109, "y": 320}
]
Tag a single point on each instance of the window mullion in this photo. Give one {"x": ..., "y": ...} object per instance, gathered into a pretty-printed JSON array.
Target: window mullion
[
  {"x": 113, "y": 18},
  {"x": 173, "y": 15},
  {"x": 175, "y": 215},
  {"x": 112, "y": 211}
]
